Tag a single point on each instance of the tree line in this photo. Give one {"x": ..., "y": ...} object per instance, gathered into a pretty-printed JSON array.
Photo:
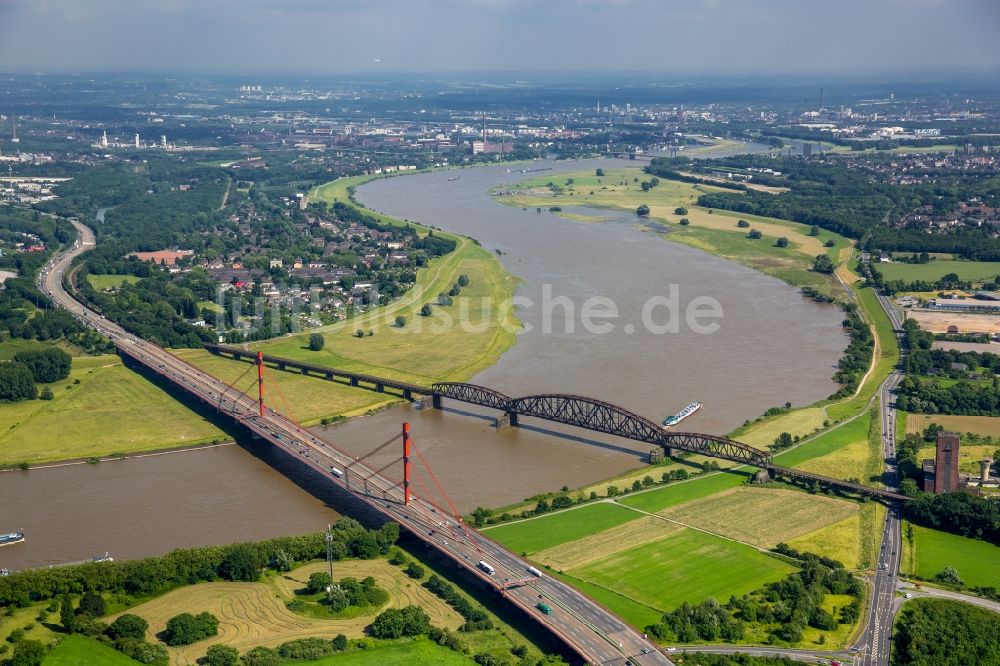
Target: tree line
[{"x": 155, "y": 575}]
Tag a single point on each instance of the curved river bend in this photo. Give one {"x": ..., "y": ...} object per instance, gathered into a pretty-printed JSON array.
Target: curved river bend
[{"x": 772, "y": 346}]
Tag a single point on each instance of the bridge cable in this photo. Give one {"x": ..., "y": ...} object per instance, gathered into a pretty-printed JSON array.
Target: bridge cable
[
  {"x": 232, "y": 386},
  {"x": 455, "y": 512}
]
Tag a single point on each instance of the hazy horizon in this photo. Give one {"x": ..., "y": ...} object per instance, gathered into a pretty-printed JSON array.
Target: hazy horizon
[{"x": 387, "y": 38}]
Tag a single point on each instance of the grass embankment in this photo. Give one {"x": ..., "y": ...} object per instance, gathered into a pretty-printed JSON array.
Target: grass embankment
[
  {"x": 930, "y": 551},
  {"x": 933, "y": 271},
  {"x": 454, "y": 343},
  {"x": 252, "y": 614},
  {"x": 145, "y": 416},
  {"x": 714, "y": 231}
]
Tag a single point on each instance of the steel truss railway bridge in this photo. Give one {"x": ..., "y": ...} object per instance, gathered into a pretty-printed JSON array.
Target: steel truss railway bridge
[{"x": 573, "y": 410}]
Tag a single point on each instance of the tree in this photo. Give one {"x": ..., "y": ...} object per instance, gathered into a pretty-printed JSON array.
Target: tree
[
  {"x": 318, "y": 582},
  {"x": 222, "y": 655},
  {"x": 66, "y": 615},
  {"x": 814, "y": 230},
  {"x": 426, "y": 310},
  {"x": 781, "y": 242},
  {"x": 46, "y": 365},
  {"x": 950, "y": 575},
  {"x": 340, "y": 642},
  {"x": 742, "y": 224},
  {"x": 46, "y": 394},
  {"x": 599, "y": 173},
  {"x": 16, "y": 383},
  {"x": 400, "y": 321},
  {"x": 755, "y": 234},
  {"x": 680, "y": 210},
  {"x": 359, "y": 333},
  {"x": 684, "y": 222},
  {"x": 128, "y": 626},
  {"x": 642, "y": 211},
  {"x": 463, "y": 280},
  {"x": 414, "y": 570},
  {"x": 242, "y": 562},
  {"x": 316, "y": 341},
  {"x": 399, "y": 622},
  {"x": 823, "y": 264},
  {"x": 28, "y": 653},
  {"x": 92, "y": 604},
  {"x": 184, "y": 629},
  {"x": 830, "y": 243}
]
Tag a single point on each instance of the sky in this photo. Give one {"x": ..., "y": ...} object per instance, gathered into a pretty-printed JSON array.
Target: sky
[{"x": 307, "y": 37}]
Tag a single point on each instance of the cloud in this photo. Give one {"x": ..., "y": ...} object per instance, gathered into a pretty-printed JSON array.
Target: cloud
[{"x": 334, "y": 36}]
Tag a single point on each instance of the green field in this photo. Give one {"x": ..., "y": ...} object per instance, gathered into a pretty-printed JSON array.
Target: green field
[
  {"x": 932, "y": 271},
  {"x": 78, "y": 650},
  {"x": 686, "y": 566},
  {"x": 535, "y": 534},
  {"x": 977, "y": 562},
  {"x": 826, "y": 443},
  {"x": 678, "y": 493},
  {"x": 144, "y": 416},
  {"x": 102, "y": 282}
]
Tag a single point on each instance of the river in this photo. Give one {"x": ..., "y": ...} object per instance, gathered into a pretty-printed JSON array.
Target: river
[{"x": 771, "y": 346}]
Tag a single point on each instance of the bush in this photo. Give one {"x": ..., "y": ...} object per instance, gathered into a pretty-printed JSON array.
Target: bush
[
  {"x": 400, "y": 321},
  {"x": 305, "y": 648},
  {"x": 46, "y": 394},
  {"x": 680, "y": 210},
  {"x": 742, "y": 224},
  {"x": 316, "y": 341},
  {"x": 261, "y": 656},
  {"x": 128, "y": 626},
  {"x": 781, "y": 242},
  {"x": 642, "y": 211},
  {"x": 414, "y": 570},
  {"x": 340, "y": 642},
  {"x": 426, "y": 310},
  {"x": 222, "y": 655},
  {"x": 143, "y": 652},
  {"x": 28, "y": 653},
  {"x": 685, "y": 222},
  {"x": 359, "y": 333},
  {"x": 755, "y": 234},
  {"x": 463, "y": 280}
]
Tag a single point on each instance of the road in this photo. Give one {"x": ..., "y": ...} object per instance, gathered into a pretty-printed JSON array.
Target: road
[
  {"x": 875, "y": 641},
  {"x": 595, "y": 633}
]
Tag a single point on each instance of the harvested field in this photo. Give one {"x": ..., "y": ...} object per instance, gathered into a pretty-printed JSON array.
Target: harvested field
[
  {"x": 252, "y": 614},
  {"x": 763, "y": 517},
  {"x": 840, "y": 541},
  {"x": 583, "y": 551},
  {"x": 938, "y": 322},
  {"x": 980, "y": 425}
]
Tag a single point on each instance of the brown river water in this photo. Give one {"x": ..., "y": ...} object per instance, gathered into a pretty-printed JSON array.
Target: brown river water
[{"x": 771, "y": 346}]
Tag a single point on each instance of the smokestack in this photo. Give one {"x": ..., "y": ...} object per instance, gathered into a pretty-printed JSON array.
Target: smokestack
[
  {"x": 13, "y": 129},
  {"x": 984, "y": 470},
  {"x": 821, "y": 98},
  {"x": 484, "y": 130}
]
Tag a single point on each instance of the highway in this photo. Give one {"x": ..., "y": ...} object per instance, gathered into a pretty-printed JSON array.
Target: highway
[
  {"x": 875, "y": 641},
  {"x": 599, "y": 636}
]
